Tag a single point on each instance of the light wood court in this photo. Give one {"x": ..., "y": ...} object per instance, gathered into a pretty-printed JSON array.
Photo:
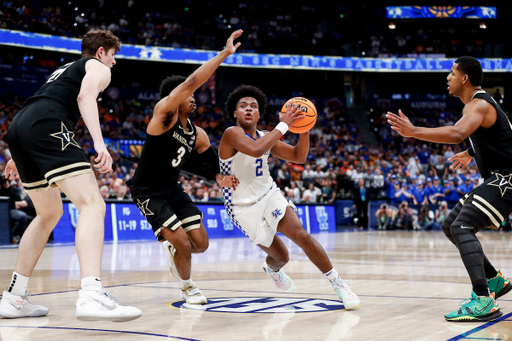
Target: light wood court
[{"x": 407, "y": 281}]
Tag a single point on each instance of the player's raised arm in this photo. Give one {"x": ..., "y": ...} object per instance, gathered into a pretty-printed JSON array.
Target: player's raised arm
[
  {"x": 197, "y": 78},
  {"x": 297, "y": 154},
  {"x": 473, "y": 116},
  {"x": 96, "y": 79}
]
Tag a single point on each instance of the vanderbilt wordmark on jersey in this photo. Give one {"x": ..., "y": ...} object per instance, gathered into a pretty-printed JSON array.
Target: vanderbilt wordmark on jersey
[{"x": 66, "y": 136}]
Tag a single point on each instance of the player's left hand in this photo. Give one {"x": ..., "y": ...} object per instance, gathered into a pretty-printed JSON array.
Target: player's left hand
[
  {"x": 460, "y": 160},
  {"x": 401, "y": 124},
  {"x": 227, "y": 181},
  {"x": 10, "y": 170},
  {"x": 103, "y": 160}
]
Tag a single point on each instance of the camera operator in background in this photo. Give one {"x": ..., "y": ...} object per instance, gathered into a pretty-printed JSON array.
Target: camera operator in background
[
  {"x": 441, "y": 215},
  {"x": 383, "y": 217},
  {"x": 426, "y": 218},
  {"x": 403, "y": 219},
  {"x": 16, "y": 205}
]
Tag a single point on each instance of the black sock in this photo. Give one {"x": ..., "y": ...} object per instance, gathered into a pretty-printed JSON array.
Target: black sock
[
  {"x": 480, "y": 287},
  {"x": 490, "y": 271}
]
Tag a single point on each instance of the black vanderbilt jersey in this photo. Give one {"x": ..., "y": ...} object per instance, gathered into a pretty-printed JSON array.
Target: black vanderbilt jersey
[
  {"x": 63, "y": 85},
  {"x": 493, "y": 146},
  {"x": 163, "y": 156}
]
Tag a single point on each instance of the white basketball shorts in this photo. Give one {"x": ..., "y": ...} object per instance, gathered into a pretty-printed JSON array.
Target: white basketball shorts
[{"x": 259, "y": 221}]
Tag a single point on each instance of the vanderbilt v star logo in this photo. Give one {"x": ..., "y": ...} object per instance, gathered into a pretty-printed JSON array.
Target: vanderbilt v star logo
[
  {"x": 66, "y": 136},
  {"x": 502, "y": 182},
  {"x": 143, "y": 207}
]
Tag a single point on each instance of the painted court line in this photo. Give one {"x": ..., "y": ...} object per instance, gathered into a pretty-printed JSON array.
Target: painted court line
[
  {"x": 465, "y": 335},
  {"x": 302, "y": 293},
  {"x": 103, "y": 330}
]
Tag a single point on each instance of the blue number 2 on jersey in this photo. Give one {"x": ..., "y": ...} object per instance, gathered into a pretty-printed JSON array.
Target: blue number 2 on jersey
[{"x": 259, "y": 165}]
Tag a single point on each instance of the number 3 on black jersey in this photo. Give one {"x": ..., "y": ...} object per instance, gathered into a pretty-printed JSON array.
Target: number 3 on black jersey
[{"x": 176, "y": 161}]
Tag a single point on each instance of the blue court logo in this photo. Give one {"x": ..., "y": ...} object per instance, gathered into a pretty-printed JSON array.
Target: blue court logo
[{"x": 250, "y": 305}]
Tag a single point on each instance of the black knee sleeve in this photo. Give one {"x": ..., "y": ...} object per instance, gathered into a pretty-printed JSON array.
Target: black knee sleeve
[{"x": 470, "y": 249}]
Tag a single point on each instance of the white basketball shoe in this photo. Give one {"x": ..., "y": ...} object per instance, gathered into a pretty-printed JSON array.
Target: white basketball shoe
[
  {"x": 281, "y": 280},
  {"x": 170, "y": 250},
  {"x": 191, "y": 293},
  {"x": 350, "y": 300},
  {"x": 101, "y": 305},
  {"x": 13, "y": 306}
]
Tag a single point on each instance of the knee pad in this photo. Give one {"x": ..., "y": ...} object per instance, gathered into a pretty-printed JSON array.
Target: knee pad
[{"x": 462, "y": 232}]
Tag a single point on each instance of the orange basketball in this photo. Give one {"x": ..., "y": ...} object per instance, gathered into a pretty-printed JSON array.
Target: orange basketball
[{"x": 304, "y": 124}]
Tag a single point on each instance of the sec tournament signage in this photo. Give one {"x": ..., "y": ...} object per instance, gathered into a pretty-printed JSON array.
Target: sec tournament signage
[
  {"x": 250, "y": 305},
  {"x": 252, "y": 60}
]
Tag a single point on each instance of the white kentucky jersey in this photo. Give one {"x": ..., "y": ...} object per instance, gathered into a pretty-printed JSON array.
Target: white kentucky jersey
[{"x": 253, "y": 174}]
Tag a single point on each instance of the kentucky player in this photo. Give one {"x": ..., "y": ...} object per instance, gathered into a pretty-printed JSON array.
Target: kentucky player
[{"x": 257, "y": 206}]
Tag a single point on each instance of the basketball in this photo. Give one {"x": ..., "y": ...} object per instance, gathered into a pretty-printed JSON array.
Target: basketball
[{"x": 304, "y": 124}]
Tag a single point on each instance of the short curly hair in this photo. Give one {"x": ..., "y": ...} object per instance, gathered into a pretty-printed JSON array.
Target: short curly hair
[
  {"x": 93, "y": 40},
  {"x": 241, "y": 92},
  {"x": 169, "y": 84},
  {"x": 471, "y": 67}
]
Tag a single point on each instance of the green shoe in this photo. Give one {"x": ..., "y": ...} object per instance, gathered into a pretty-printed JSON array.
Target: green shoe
[
  {"x": 476, "y": 309},
  {"x": 500, "y": 285}
]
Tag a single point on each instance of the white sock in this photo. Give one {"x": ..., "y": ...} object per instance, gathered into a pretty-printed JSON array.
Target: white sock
[
  {"x": 186, "y": 281},
  {"x": 19, "y": 284},
  {"x": 91, "y": 283},
  {"x": 332, "y": 275}
]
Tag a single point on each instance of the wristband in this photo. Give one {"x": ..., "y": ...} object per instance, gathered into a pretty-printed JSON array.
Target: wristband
[
  {"x": 282, "y": 127},
  {"x": 471, "y": 151}
]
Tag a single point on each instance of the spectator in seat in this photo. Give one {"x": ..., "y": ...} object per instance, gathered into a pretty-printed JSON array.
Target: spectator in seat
[
  {"x": 312, "y": 192},
  {"x": 104, "y": 191}
]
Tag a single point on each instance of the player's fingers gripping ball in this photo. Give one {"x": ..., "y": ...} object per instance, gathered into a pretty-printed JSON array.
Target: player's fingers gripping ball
[{"x": 305, "y": 123}]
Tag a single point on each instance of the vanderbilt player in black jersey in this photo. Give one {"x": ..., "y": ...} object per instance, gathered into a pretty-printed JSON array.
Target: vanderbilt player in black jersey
[
  {"x": 171, "y": 137},
  {"x": 48, "y": 156},
  {"x": 490, "y": 133}
]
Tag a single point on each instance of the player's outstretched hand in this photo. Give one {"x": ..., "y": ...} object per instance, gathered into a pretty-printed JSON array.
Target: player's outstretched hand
[
  {"x": 103, "y": 160},
  {"x": 230, "y": 47},
  {"x": 401, "y": 124},
  {"x": 10, "y": 170},
  {"x": 460, "y": 160},
  {"x": 292, "y": 114},
  {"x": 227, "y": 181}
]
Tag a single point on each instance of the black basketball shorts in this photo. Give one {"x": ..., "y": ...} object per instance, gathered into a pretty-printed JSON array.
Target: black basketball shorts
[
  {"x": 493, "y": 198},
  {"x": 44, "y": 147},
  {"x": 169, "y": 207}
]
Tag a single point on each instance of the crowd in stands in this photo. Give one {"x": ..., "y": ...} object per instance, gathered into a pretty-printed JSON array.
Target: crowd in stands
[
  {"x": 269, "y": 28},
  {"x": 340, "y": 165}
]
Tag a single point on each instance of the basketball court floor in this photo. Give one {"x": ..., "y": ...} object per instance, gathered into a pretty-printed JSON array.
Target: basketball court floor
[{"x": 406, "y": 281}]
